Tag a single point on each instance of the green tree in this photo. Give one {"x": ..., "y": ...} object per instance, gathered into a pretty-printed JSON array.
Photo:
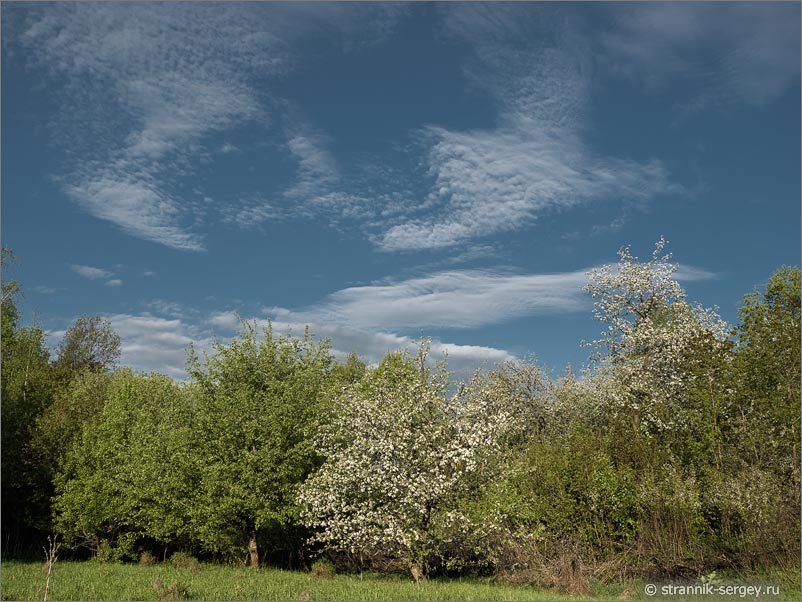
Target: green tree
[
  {"x": 10, "y": 313},
  {"x": 257, "y": 403},
  {"x": 131, "y": 474},
  {"x": 90, "y": 343},
  {"x": 26, "y": 390},
  {"x": 767, "y": 368},
  {"x": 76, "y": 404}
]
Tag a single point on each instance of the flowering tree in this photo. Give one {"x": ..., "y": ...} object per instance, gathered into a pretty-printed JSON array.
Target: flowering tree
[
  {"x": 653, "y": 338},
  {"x": 400, "y": 452}
]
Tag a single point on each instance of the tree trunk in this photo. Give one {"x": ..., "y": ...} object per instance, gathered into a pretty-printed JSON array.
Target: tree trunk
[{"x": 253, "y": 549}]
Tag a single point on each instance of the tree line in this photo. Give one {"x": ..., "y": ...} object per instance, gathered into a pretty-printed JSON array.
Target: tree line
[{"x": 675, "y": 453}]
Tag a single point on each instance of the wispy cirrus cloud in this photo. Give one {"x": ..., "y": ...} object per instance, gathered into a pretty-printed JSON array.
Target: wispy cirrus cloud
[
  {"x": 45, "y": 290},
  {"x": 489, "y": 181},
  {"x": 448, "y": 299},
  {"x": 738, "y": 53},
  {"x": 88, "y": 271},
  {"x": 135, "y": 203},
  {"x": 157, "y": 343},
  {"x": 317, "y": 169},
  {"x": 167, "y": 76},
  {"x": 370, "y": 345},
  {"x": 159, "y": 80},
  {"x": 369, "y": 320},
  {"x": 93, "y": 273}
]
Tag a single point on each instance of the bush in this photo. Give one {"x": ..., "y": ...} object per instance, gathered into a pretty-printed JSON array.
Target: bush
[
  {"x": 671, "y": 522},
  {"x": 752, "y": 519},
  {"x": 569, "y": 489},
  {"x": 104, "y": 552},
  {"x": 187, "y": 562},
  {"x": 323, "y": 568}
]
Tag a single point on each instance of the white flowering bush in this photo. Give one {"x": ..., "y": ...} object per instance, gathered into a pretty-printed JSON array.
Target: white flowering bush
[
  {"x": 401, "y": 452},
  {"x": 653, "y": 339}
]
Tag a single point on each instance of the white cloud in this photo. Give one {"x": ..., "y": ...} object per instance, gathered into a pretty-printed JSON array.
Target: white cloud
[
  {"x": 317, "y": 187},
  {"x": 690, "y": 273},
  {"x": 136, "y": 204},
  {"x": 114, "y": 282},
  {"x": 370, "y": 345},
  {"x": 487, "y": 182},
  {"x": 737, "y": 52},
  {"x": 369, "y": 320},
  {"x": 450, "y": 299},
  {"x": 45, "y": 290},
  {"x": 90, "y": 272},
  {"x": 250, "y": 212},
  {"x": 155, "y": 344},
  {"x": 494, "y": 180},
  {"x": 146, "y": 84},
  {"x": 317, "y": 169}
]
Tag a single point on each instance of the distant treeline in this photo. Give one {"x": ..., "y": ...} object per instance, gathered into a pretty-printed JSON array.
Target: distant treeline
[{"x": 677, "y": 453}]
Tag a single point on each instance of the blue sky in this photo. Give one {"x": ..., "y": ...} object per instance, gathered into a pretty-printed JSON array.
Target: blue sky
[{"x": 386, "y": 171}]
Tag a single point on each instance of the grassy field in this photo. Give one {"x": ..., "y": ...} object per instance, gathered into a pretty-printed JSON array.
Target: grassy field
[
  {"x": 98, "y": 581},
  {"x": 109, "y": 581}
]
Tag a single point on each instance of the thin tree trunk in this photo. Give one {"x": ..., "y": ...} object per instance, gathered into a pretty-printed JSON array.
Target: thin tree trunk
[{"x": 253, "y": 549}]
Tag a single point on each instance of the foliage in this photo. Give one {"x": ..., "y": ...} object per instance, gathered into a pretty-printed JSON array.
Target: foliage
[
  {"x": 26, "y": 389},
  {"x": 131, "y": 474},
  {"x": 90, "y": 343},
  {"x": 256, "y": 404},
  {"x": 675, "y": 453},
  {"x": 77, "y": 404},
  {"x": 400, "y": 453},
  {"x": 768, "y": 370},
  {"x": 10, "y": 312}
]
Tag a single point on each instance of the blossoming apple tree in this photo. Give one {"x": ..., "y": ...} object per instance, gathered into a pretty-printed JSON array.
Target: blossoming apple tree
[
  {"x": 400, "y": 452},
  {"x": 655, "y": 341}
]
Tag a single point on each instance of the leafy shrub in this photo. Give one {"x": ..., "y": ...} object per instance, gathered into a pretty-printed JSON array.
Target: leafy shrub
[
  {"x": 104, "y": 552},
  {"x": 187, "y": 562},
  {"x": 568, "y": 489},
  {"x": 323, "y": 568},
  {"x": 751, "y": 518},
  {"x": 671, "y": 521}
]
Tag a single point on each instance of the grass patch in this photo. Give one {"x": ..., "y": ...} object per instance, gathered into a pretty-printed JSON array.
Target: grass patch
[{"x": 162, "y": 581}]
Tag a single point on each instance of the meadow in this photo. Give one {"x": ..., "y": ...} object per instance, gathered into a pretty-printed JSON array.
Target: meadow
[
  {"x": 92, "y": 580},
  {"x": 115, "y": 581}
]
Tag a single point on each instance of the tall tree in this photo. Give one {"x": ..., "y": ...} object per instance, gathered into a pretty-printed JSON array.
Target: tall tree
[
  {"x": 131, "y": 473},
  {"x": 8, "y": 305},
  {"x": 26, "y": 391},
  {"x": 768, "y": 367},
  {"x": 400, "y": 453},
  {"x": 90, "y": 343},
  {"x": 257, "y": 405},
  {"x": 651, "y": 331}
]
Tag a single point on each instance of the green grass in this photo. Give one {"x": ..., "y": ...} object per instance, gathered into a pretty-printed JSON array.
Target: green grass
[
  {"x": 109, "y": 581},
  {"x": 98, "y": 581}
]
